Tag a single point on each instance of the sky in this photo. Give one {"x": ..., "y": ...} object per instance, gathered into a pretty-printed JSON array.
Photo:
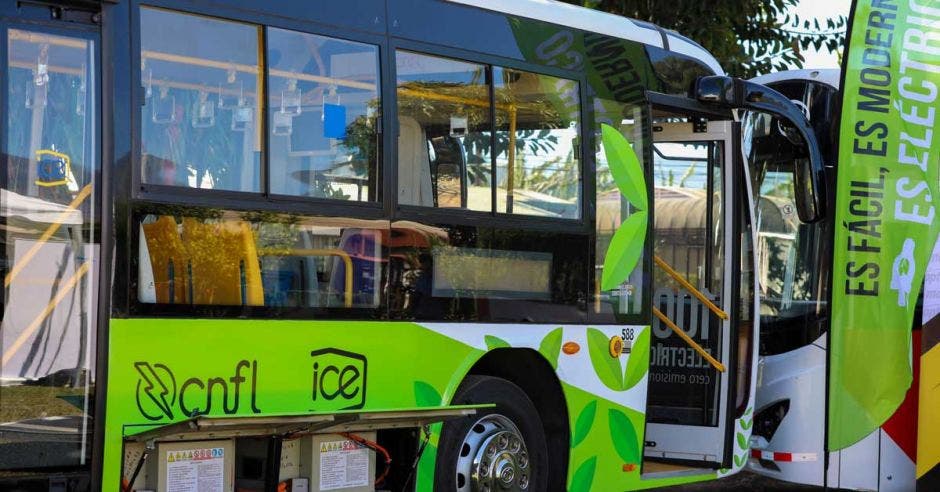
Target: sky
[{"x": 821, "y": 9}]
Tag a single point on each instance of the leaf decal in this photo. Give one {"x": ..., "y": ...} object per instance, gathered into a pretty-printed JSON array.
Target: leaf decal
[
  {"x": 495, "y": 342},
  {"x": 742, "y": 441},
  {"x": 607, "y": 368},
  {"x": 748, "y": 411},
  {"x": 639, "y": 360},
  {"x": 740, "y": 460},
  {"x": 625, "y": 167},
  {"x": 582, "y": 426},
  {"x": 551, "y": 347},
  {"x": 426, "y": 395},
  {"x": 746, "y": 424},
  {"x": 584, "y": 476},
  {"x": 624, "y": 251},
  {"x": 624, "y": 436}
]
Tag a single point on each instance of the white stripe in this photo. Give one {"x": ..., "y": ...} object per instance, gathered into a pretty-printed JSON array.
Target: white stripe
[{"x": 590, "y": 20}]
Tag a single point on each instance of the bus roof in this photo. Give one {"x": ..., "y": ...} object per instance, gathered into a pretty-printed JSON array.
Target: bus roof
[{"x": 600, "y": 22}]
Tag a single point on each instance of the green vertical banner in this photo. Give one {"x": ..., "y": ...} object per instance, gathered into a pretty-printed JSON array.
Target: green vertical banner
[{"x": 885, "y": 215}]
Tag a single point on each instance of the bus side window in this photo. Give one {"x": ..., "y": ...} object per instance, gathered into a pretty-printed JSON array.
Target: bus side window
[{"x": 318, "y": 263}]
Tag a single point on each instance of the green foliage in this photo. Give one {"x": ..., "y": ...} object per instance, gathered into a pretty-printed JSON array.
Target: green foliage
[
  {"x": 624, "y": 437},
  {"x": 584, "y": 475},
  {"x": 639, "y": 360},
  {"x": 625, "y": 167},
  {"x": 551, "y": 347},
  {"x": 495, "y": 342},
  {"x": 426, "y": 395},
  {"x": 748, "y": 37},
  {"x": 607, "y": 367},
  {"x": 625, "y": 250},
  {"x": 582, "y": 426}
]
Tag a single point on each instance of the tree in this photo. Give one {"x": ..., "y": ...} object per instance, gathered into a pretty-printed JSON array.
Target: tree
[{"x": 748, "y": 37}]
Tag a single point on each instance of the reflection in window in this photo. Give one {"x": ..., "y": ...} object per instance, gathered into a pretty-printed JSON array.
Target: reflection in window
[
  {"x": 538, "y": 171},
  {"x": 49, "y": 251},
  {"x": 201, "y": 79},
  {"x": 231, "y": 261},
  {"x": 688, "y": 188},
  {"x": 444, "y": 133},
  {"x": 792, "y": 268},
  {"x": 446, "y": 143},
  {"x": 613, "y": 209},
  {"x": 323, "y": 103}
]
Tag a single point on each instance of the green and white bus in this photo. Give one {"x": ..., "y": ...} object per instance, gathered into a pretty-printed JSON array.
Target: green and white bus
[{"x": 374, "y": 245}]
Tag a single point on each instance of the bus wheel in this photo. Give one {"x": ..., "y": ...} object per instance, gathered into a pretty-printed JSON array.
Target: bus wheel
[{"x": 499, "y": 449}]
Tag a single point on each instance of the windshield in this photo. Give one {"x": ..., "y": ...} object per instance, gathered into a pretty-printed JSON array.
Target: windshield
[{"x": 793, "y": 268}]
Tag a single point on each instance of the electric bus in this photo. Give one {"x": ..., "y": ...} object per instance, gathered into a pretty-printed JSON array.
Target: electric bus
[
  {"x": 848, "y": 392},
  {"x": 789, "y": 437},
  {"x": 375, "y": 245}
]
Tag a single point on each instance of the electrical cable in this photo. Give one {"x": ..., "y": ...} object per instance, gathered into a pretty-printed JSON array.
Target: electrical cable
[
  {"x": 375, "y": 447},
  {"x": 414, "y": 465}
]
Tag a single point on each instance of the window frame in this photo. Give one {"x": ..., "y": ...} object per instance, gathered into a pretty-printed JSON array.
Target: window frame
[
  {"x": 263, "y": 199},
  {"x": 462, "y": 216},
  {"x": 98, "y": 224}
]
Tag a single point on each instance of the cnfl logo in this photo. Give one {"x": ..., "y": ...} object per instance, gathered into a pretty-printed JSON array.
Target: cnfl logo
[
  {"x": 156, "y": 390},
  {"x": 158, "y": 396}
]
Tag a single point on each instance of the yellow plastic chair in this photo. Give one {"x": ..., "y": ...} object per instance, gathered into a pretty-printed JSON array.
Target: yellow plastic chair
[
  {"x": 223, "y": 263},
  {"x": 168, "y": 259}
]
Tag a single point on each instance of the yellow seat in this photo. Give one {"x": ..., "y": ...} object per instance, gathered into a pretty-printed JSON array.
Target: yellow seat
[
  {"x": 223, "y": 263},
  {"x": 168, "y": 259}
]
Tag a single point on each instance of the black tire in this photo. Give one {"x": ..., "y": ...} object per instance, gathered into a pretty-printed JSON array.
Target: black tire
[{"x": 512, "y": 403}]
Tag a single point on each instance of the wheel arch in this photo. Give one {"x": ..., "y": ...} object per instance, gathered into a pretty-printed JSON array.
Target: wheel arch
[{"x": 529, "y": 370}]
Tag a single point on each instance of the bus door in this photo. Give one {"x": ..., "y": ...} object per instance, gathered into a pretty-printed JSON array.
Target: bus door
[
  {"x": 49, "y": 242},
  {"x": 689, "y": 383}
]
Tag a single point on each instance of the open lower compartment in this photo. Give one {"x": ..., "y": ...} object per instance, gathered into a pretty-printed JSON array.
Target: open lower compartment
[{"x": 348, "y": 450}]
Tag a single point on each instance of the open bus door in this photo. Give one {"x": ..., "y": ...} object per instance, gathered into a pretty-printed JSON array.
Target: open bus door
[
  {"x": 688, "y": 402},
  {"x": 703, "y": 354}
]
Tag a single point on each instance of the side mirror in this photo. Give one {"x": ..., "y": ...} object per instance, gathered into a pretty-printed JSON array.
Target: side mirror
[{"x": 734, "y": 93}]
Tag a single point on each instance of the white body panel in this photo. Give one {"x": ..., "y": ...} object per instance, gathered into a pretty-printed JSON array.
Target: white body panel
[{"x": 800, "y": 376}]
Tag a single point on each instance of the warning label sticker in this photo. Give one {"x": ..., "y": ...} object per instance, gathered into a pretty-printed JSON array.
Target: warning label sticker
[
  {"x": 195, "y": 470},
  {"x": 343, "y": 464}
]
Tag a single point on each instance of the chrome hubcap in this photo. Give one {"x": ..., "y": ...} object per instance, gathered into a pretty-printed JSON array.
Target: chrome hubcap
[{"x": 493, "y": 457}]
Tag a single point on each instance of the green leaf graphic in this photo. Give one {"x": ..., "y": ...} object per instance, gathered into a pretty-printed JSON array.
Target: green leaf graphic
[
  {"x": 746, "y": 424},
  {"x": 625, "y": 167},
  {"x": 742, "y": 441},
  {"x": 748, "y": 411},
  {"x": 584, "y": 476},
  {"x": 495, "y": 342},
  {"x": 740, "y": 460},
  {"x": 583, "y": 425},
  {"x": 551, "y": 347},
  {"x": 607, "y": 368},
  {"x": 624, "y": 436},
  {"x": 624, "y": 251},
  {"x": 426, "y": 395},
  {"x": 639, "y": 360}
]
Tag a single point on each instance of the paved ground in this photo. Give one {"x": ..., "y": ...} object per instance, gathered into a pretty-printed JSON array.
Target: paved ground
[{"x": 744, "y": 481}]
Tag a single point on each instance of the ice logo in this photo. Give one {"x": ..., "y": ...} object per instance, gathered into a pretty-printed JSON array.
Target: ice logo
[{"x": 902, "y": 273}]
